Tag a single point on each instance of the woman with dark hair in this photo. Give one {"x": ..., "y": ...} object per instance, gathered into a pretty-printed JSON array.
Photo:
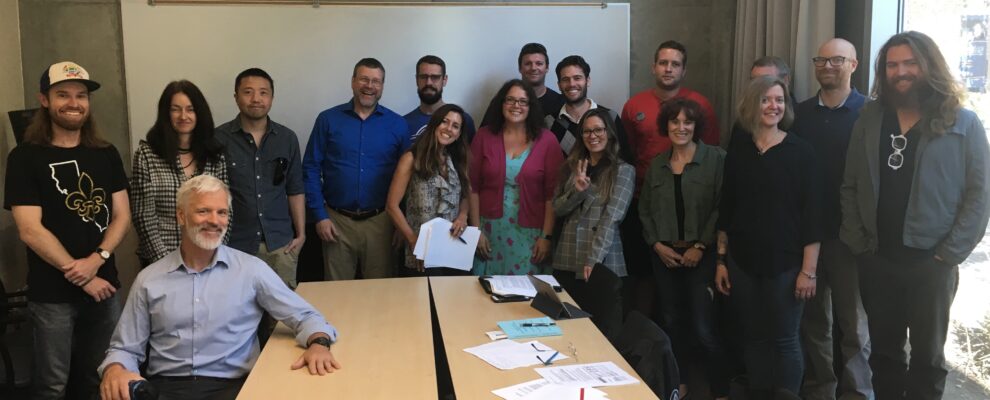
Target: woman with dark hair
[
  {"x": 179, "y": 145},
  {"x": 433, "y": 178},
  {"x": 513, "y": 172},
  {"x": 678, "y": 206},
  {"x": 769, "y": 234},
  {"x": 592, "y": 198}
]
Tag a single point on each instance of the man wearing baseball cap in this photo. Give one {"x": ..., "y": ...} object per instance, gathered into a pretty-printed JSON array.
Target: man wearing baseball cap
[{"x": 67, "y": 190}]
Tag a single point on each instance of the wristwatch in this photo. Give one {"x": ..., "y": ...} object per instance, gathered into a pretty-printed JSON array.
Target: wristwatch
[
  {"x": 105, "y": 255},
  {"x": 322, "y": 341},
  {"x": 548, "y": 237}
]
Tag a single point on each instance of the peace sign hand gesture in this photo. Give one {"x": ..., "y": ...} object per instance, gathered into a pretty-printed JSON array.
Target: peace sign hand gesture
[{"x": 581, "y": 179}]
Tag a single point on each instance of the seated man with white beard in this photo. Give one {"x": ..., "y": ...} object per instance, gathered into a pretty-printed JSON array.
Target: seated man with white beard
[{"x": 196, "y": 311}]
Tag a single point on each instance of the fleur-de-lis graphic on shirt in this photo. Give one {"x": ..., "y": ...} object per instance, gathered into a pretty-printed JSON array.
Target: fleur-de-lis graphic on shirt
[{"x": 87, "y": 200}]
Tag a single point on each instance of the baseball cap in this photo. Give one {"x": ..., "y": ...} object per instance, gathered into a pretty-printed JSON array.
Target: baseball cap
[{"x": 66, "y": 71}]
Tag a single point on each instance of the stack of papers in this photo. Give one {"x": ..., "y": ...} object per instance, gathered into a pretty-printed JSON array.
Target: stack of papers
[
  {"x": 518, "y": 285},
  {"x": 569, "y": 382},
  {"x": 532, "y": 327},
  {"x": 542, "y": 389},
  {"x": 437, "y": 248},
  {"x": 508, "y": 354}
]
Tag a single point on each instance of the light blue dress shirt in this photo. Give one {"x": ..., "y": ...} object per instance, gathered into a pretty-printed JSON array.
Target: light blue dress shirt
[{"x": 205, "y": 323}]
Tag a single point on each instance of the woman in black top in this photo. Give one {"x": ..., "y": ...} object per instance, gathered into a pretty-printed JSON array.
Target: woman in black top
[
  {"x": 678, "y": 208},
  {"x": 768, "y": 236}
]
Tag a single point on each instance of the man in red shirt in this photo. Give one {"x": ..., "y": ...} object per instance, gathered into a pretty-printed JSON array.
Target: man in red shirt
[{"x": 639, "y": 116}]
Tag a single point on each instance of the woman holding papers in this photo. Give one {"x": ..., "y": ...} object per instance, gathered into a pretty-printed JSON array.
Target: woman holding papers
[
  {"x": 432, "y": 177},
  {"x": 592, "y": 198},
  {"x": 678, "y": 207},
  {"x": 179, "y": 146},
  {"x": 769, "y": 233},
  {"x": 514, "y": 164}
]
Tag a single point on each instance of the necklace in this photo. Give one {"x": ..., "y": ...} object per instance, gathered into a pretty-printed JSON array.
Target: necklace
[{"x": 761, "y": 150}]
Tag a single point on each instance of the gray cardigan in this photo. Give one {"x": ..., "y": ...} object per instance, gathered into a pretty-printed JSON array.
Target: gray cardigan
[{"x": 948, "y": 208}]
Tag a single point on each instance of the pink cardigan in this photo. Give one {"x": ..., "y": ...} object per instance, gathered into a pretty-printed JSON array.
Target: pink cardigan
[{"x": 537, "y": 179}]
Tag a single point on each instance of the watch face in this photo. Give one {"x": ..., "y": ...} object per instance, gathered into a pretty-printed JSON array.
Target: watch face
[{"x": 105, "y": 254}]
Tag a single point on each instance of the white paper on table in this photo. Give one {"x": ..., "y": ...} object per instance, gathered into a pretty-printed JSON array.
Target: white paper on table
[
  {"x": 440, "y": 249},
  {"x": 508, "y": 354},
  {"x": 518, "y": 284},
  {"x": 557, "y": 392},
  {"x": 543, "y": 389},
  {"x": 594, "y": 375}
]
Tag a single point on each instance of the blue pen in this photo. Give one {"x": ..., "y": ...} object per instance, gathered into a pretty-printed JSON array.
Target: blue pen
[{"x": 549, "y": 360}]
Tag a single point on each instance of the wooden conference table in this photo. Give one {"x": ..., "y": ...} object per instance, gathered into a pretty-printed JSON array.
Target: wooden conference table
[
  {"x": 466, "y": 313},
  {"x": 386, "y": 343}
]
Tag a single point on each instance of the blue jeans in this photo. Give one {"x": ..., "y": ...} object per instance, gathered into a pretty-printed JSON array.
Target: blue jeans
[
  {"x": 770, "y": 317},
  {"x": 70, "y": 337}
]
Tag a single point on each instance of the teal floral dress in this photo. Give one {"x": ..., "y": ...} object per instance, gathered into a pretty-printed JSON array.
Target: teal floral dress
[{"x": 512, "y": 244}]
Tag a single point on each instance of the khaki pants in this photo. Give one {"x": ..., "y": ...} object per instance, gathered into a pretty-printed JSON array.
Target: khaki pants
[
  {"x": 366, "y": 243},
  {"x": 282, "y": 263}
]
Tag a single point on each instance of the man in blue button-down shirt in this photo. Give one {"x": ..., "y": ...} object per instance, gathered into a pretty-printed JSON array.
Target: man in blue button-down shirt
[
  {"x": 196, "y": 311},
  {"x": 347, "y": 169}
]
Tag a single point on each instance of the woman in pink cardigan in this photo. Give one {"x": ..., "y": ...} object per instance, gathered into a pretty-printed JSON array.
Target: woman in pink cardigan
[{"x": 514, "y": 166}]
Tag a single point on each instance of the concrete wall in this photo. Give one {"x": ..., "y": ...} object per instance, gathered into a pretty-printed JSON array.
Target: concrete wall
[
  {"x": 90, "y": 34},
  {"x": 12, "y": 256}
]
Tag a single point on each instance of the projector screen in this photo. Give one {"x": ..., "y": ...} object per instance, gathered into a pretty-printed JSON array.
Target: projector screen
[{"x": 310, "y": 52}]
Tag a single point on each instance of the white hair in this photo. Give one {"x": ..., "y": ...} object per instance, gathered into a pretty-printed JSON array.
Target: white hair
[{"x": 200, "y": 184}]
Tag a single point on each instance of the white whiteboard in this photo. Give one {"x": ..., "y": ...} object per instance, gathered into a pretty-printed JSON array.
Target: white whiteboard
[{"x": 310, "y": 52}]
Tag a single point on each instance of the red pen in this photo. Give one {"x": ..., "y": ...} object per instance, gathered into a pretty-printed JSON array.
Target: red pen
[{"x": 582, "y": 393}]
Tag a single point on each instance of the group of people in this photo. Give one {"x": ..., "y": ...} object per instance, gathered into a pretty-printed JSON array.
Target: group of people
[{"x": 808, "y": 206}]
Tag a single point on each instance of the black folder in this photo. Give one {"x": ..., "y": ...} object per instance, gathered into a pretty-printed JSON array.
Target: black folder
[{"x": 549, "y": 303}]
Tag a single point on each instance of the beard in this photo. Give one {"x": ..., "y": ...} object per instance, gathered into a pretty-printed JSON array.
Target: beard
[
  {"x": 580, "y": 99},
  {"x": 195, "y": 233},
  {"x": 65, "y": 123},
  {"x": 430, "y": 98}
]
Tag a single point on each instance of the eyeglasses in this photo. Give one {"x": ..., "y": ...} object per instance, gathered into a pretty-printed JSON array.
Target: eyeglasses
[
  {"x": 370, "y": 82},
  {"x": 428, "y": 77},
  {"x": 896, "y": 159},
  {"x": 512, "y": 101},
  {"x": 836, "y": 61},
  {"x": 597, "y": 131}
]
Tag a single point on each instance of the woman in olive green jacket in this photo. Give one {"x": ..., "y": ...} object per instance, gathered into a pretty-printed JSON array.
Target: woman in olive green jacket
[{"x": 678, "y": 207}]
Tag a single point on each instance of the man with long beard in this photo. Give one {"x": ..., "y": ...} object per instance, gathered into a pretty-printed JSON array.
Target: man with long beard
[
  {"x": 915, "y": 199},
  {"x": 431, "y": 78},
  {"x": 67, "y": 189},
  {"x": 195, "y": 312}
]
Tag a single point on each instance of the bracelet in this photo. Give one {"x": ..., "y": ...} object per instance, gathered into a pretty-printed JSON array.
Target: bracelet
[
  {"x": 810, "y": 276},
  {"x": 720, "y": 258}
]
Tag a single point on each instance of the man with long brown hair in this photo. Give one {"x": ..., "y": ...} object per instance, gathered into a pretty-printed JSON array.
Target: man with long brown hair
[
  {"x": 914, "y": 205},
  {"x": 67, "y": 189}
]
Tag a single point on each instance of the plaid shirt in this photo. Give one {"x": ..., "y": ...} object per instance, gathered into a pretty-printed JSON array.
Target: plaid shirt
[
  {"x": 590, "y": 234},
  {"x": 154, "y": 184}
]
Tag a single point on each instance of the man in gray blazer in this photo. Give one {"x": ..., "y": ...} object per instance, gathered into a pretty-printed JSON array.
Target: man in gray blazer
[{"x": 914, "y": 205}]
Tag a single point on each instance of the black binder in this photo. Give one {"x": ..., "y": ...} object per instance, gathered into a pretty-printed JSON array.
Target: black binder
[{"x": 549, "y": 303}]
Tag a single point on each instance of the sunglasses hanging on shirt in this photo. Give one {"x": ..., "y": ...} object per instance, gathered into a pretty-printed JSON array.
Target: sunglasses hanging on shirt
[{"x": 896, "y": 159}]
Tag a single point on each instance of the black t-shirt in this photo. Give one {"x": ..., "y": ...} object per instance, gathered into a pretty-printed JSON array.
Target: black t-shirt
[
  {"x": 771, "y": 204},
  {"x": 895, "y": 191},
  {"x": 74, "y": 188}
]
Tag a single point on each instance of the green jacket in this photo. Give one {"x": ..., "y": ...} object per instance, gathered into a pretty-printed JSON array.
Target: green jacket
[
  {"x": 949, "y": 204},
  {"x": 701, "y": 186}
]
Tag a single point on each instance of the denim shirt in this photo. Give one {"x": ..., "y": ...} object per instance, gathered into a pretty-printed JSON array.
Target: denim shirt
[{"x": 260, "y": 205}]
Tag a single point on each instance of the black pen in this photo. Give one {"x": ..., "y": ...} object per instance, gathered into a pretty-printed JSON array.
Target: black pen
[
  {"x": 458, "y": 237},
  {"x": 532, "y": 324}
]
